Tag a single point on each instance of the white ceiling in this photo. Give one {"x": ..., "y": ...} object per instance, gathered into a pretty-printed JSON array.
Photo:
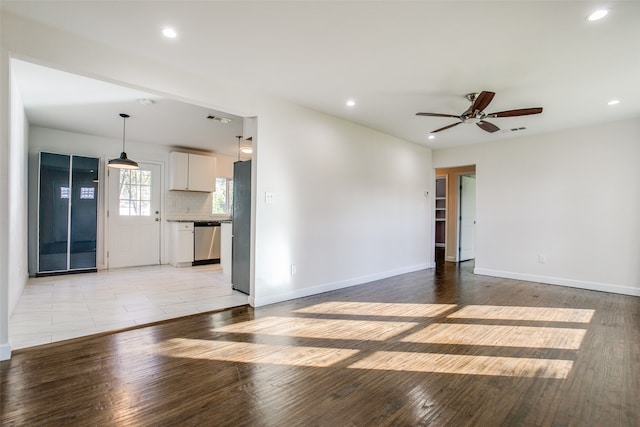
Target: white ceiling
[
  {"x": 60, "y": 100},
  {"x": 393, "y": 58}
]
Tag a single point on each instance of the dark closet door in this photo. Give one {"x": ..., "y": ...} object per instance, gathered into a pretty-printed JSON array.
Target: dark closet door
[
  {"x": 84, "y": 213},
  {"x": 241, "y": 227},
  {"x": 53, "y": 218},
  {"x": 67, "y": 213}
]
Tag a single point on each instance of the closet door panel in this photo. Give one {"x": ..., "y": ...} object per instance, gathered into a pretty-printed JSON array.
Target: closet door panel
[
  {"x": 67, "y": 213},
  {"x": 84, "y": 213},
  {"x": 53, "y": 226}
]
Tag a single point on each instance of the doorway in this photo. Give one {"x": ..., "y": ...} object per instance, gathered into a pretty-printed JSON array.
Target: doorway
[
  {"x": 456, "y": 203},
  {"x": 467, "y": 226},
  {"x": 134, "y": 216}
]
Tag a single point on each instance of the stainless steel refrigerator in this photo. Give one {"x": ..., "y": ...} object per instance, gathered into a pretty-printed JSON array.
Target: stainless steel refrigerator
[{"x": 241, "y": 227}]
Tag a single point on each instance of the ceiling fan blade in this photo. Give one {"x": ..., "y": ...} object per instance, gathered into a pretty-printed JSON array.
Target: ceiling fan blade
[
  {"x": 446, "y": 127},
  {"x": 486, "y": 126},
  {"x": 482, "y": 101},
  {"x": 437, "y": 115},
  {"x": 514, "y": 113}
]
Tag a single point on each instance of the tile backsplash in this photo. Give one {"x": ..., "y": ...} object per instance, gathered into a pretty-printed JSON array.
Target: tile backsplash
[{"x": 188, "y": 204}]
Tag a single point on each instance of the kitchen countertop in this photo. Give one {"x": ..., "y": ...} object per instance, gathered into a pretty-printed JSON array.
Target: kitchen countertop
[{"x": 197, "y": 219}]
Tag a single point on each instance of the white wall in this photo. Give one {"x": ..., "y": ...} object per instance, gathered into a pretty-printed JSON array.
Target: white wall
[
  {"x": 573, "y": 196},
  {"x": 349, "y": 204},
  {"x": 18, "y": 269},
  {"x": 5, "y": 244}
]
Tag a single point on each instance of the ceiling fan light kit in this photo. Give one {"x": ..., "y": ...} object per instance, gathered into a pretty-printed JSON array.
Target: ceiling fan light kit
[{"x": 475, "y": 113}]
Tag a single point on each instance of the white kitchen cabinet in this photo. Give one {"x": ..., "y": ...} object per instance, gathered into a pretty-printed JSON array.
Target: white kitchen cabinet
[
  {"x": 192, "y": 172},
  {"x": 181, "y": 244}
]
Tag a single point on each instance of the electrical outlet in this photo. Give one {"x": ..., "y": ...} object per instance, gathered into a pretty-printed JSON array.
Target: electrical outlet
[
  {"x": 293, "y": 269},
  {"x": 542, "y": 258}
]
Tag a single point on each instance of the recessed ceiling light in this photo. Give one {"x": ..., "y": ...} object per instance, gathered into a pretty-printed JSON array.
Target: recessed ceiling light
[
  {"x": 146, "y": 102},
  {"x": 169, "y": 33},
  {"x": 598, "y": 14},
  {"x": 431, "y": 137},
  {"x": 351, "y": 103},
  {"x": 613, "y": 102}
]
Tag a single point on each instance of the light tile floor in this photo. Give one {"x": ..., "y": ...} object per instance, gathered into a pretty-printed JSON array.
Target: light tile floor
[{"x": 57, "y": 308}]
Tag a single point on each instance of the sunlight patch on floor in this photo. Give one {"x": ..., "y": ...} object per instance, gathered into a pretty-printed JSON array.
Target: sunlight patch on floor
[
  {"x": 499, "y": 336},
  {"x": 378, "y": 309},
  {"x": 540, "y": 314},
  {"x": 465, "y": 365},
  {"x": 333, "y": 329},
  {"x": 243, "y": 352},
  {"x": 336, "y": 331}
]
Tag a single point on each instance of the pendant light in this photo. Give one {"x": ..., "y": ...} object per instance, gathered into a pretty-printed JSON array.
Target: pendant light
[
  {"x": 123, "y": 162},
  {"x": 247, "y": 147},
  {"x": 244, "y": 147}
]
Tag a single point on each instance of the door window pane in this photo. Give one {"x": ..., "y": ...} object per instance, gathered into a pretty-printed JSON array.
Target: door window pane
[{"x": 135, "y": 192}]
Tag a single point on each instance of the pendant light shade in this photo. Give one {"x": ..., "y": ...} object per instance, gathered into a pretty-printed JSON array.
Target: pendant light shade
[
  {"x": 246, "y": 147},
  {"x": 123, "y": 162}
]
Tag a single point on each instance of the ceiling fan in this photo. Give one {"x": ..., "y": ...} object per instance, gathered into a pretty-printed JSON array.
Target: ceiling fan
[{"x": 475, "y": 113}]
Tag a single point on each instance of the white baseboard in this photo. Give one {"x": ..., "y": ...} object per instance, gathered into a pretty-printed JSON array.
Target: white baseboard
[
  {"x": 327, "y": 287},
  {"x": 5, "y": 351},
  {"x": 581, "y": 284}
]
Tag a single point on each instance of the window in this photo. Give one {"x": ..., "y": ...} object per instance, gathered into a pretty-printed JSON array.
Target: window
[
  {"x": 135, "y": 192},
  {"x": 223, "y": 197},
  {"x": 64, "y": 192}
]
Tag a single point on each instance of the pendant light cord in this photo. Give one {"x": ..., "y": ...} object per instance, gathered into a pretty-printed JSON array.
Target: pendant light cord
[{"x": 124, "y": 127}]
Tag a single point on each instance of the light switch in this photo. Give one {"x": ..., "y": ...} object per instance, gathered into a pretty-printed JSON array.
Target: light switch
[{"x": 269, "y": 198}]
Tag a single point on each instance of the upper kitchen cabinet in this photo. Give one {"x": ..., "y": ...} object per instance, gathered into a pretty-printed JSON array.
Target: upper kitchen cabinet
[{"x": 192, "y": 172}]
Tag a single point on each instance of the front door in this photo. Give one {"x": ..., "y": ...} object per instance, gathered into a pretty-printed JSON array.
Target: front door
[
  {"x": 467, "y": 217},
  {"x": 134, "y": 216}
]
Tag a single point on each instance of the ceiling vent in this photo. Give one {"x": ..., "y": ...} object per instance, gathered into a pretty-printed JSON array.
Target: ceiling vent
[
  {"x": 219, "y": 119},
  {"x": 514, "y": 129}
]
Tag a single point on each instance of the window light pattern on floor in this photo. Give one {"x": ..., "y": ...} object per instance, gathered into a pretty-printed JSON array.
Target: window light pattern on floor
[{"x": 432, "y": 342}]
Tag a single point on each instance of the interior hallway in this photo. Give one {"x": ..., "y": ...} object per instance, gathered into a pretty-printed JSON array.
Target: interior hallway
[{"x": 57, "y": 308}]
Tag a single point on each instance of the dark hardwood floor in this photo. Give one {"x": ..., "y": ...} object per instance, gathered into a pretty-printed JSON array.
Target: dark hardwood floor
[{"x": 440, "y": 347}]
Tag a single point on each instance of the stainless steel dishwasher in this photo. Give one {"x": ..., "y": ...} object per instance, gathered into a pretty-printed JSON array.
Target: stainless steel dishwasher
[{"x": 206, "y": 242}]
